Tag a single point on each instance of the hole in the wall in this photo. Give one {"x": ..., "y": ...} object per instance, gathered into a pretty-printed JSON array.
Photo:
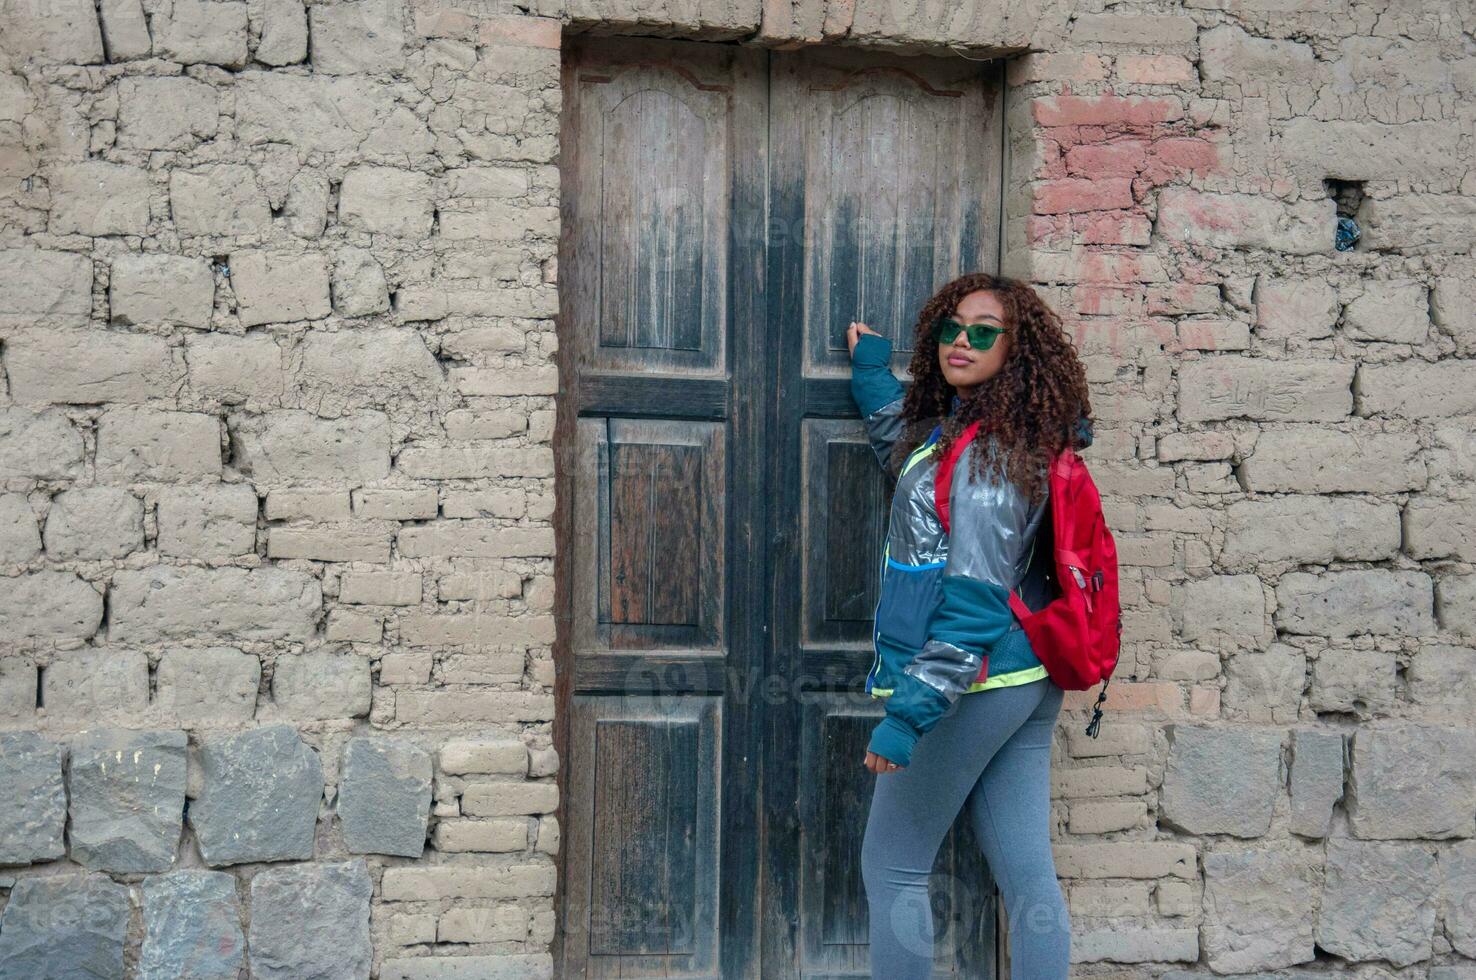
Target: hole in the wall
[
  {"x": 40, "y": 687},
  {"x": 1347, "y": 195}
]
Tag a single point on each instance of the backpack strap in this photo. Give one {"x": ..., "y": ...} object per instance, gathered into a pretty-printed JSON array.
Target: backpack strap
[{"x": 943, "y": 477}]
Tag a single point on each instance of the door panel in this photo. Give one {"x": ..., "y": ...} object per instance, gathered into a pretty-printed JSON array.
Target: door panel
[
  {"x": 643, "y": 808},
  {"x": 885, "y": 171},
  {"x": 648, "y": 542},
  {"x": 726, "y": 210},
  {"x": 662, "y": 583}
]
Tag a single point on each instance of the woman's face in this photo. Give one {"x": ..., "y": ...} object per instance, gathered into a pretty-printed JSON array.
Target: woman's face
[{"x": 963, "y": 367}]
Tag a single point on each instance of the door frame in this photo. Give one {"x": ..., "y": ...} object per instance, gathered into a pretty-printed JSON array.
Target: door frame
[{"x": 751, "y": 481}]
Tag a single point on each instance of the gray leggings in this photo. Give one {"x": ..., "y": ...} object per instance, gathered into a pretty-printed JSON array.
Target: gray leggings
[{"x": 991, "y": 751}]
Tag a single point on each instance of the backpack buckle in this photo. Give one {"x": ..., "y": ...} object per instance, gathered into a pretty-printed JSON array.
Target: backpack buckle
[{"x": 1099, "y": 581}]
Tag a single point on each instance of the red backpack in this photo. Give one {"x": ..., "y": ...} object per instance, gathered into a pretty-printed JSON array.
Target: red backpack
[{"x": 1078, "y": 634}]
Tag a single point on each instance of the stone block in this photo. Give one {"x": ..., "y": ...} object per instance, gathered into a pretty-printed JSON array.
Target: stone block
[
  {"x": 127, "y": 794},
  {"x": 321, "y": 685},
  {"x": 326, "y": 114},
  {"x": 367, "y": 37},
  {"x": 468, "y": 881},
  {"x": 1345, "y": 603},
  {"x": 513, "y": 966},
  {"x": 161, "y": 290},
  {"x": 279, "y": 287},
  {"x": 150, "y": 445},
  {"x": 94, "y": 197},
  {"x": 294, "y": 447},
  {"x": 210, "y": 687},
  {"x": 380, "y": 588},
  {"x": 460, "y": 707},
  {"x": 1435, "y": 527},
  {"x": 306, "y": 209},
  {"x": 1129, "y": 944},
  {"x": 1265, "y": 688},
  {"x": 65, "y": 31},
  {"x": 1245, "y": 221},
  {"x": 192, "y": 927},
  {"x": 1458, "y": 896},
  {"x": 194, "y": 32},
  {"x": 212, "y": 523},
  {"x": 307, "y": 505},
  {"x": 543, "y": 761},
  {"x": 351, "y": 542},
  {"x": 366, "y": 367},
  {"x": 1295, "y": 310},
  {"x": 89, "y": 367},
  {"x": 1439, "y": 678},
  {"x": 359, "y": 287},
  {"x": 311, "y": 920},
  {"x": 65, "y": 926},
  {"x": 1317, "y": 769},
  {"x": 20, "y": 536},
  {"x": 506, "y": 923},
  {"x": 1256, "y": 905},
  {"x": 258, "y": 800},
  {"x": 1361, "y": 149},
  {"x": 221, "y": 200},
  {"x": 1455, "y": 603},
  {"x": 163, "y": 603},
  {"x": 236, "y": 370},
  {"x": 499, "y": 836},
  {"x": 1230, "y": 386},
  {"x": 1221, "y": 780},
  {"x": 394, "y": 504},
  {"x": 37, "y": 284},
  {"x": 384, "y": 796},
  {"x": 93, "y": 523},
  {"x": 385, "y": 200},
  {"x": 1225, "y": 610},
  {"x": 1393, "y": 311},
  {"x": 509, "y": 798},
  {"x": 1416, "y": 389},
  {"x": 125, "y": 29},
  {"x": 482, "y": 756},
  {"x": 18, "y": 687},
  {"x": 1414, "y": 223},
  {"x": 1453, "y": 307},
  {"x": 473, "y": 539},
  {"x": 1315, "y": 459},
  {"x": 33, "y": 810},
  {"x": 1378, "y": 902},
  {"x": 171, "y": 113},
  {"x": 38, "y": 445},
  {"x": 1412, "y": 781},
  {"x": 49, "y": 607},
  {"x": 84, "y": 686},
  {"x": 1360, "y": 682},
  {"x": 284, "y": 33},
  {"x": 1309, "y": 529}
]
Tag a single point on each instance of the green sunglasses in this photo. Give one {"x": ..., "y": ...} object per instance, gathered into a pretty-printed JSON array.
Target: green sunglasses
[{"x": 981, "y": 335}]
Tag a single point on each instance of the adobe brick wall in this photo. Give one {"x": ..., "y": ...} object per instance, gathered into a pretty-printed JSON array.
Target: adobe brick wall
[{"x": 277, "y": 288}]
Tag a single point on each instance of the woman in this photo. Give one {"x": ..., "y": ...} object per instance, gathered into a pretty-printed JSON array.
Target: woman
[{"x": 970, "y": 710}]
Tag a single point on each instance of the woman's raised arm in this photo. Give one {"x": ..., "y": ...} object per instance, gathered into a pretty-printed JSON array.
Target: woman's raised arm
[{"x": 877, "y": 391}]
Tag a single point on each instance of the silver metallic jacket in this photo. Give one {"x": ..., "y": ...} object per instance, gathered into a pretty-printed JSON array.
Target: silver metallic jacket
[{"x": 991, "y": 543}]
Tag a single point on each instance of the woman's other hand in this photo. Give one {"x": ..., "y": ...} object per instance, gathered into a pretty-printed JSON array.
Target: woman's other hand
[
  {"x": 874, "y": 762},
  {"x": 854, "y": 332}
]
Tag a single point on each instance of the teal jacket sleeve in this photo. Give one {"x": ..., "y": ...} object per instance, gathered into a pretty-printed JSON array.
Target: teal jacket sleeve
[
  {"x": 878, "y": 394},
  {"x": 989, "y": 542}
]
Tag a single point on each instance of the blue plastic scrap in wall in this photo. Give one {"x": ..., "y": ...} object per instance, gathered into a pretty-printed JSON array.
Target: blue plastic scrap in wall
[{"x": 1348, "y": 233}]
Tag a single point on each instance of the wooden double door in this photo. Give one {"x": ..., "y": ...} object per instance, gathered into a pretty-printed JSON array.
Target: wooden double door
[{"x": 727, "y": 211}]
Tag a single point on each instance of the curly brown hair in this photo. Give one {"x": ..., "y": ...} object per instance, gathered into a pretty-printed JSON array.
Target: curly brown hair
[{"x": 1030, "y": 406}]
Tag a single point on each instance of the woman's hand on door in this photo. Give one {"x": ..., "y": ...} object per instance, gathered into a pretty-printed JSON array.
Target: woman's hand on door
[
  {"x": 879, "y": 765},
  {"x": 854, "y": 332}
]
